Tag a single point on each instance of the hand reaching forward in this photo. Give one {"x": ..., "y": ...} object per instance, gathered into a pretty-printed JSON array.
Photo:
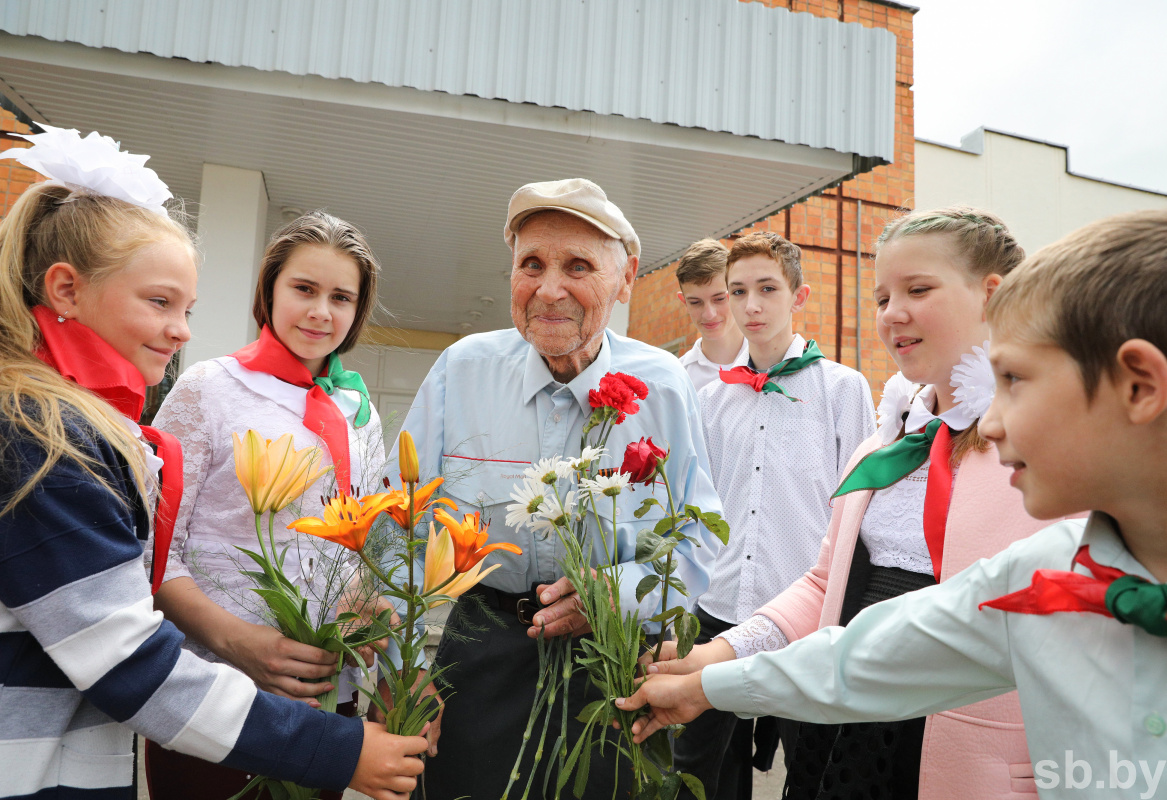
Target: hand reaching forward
[
  {"x": 702, "y": 655},
  {"x": 388, "y": 768},
  {"x": 672, "y": 699}
]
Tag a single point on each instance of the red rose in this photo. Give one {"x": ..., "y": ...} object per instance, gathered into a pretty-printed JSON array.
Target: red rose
[
  {"x": 620, "y": 393},
  {"x": 641, "y": 460}
]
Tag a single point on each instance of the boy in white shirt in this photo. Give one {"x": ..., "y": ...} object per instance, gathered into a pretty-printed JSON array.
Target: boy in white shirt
[
  {"x": 1075, "y": 616},
  {"x": 701, "y": 275},
  {"x": 779, "y": 431}
]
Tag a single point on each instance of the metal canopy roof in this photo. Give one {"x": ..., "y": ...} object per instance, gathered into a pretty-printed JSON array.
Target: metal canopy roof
[{"x": 342, "y": 106}]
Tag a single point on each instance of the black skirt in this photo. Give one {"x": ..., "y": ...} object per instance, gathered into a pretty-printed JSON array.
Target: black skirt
[{"x": 867, "y": 760}]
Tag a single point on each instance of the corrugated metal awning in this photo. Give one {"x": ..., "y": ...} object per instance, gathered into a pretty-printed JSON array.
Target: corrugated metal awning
[{"x": 416, "y": 119}]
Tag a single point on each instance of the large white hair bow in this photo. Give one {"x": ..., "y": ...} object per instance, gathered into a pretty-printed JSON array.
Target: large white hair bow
[{"x": 96, "y": 163}]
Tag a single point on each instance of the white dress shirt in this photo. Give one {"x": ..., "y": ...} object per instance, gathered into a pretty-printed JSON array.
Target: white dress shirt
[
  {"x": 702, "y": 371},
  {"x": 775, "y": 465},
  {"x": 1091, "y": 688}
]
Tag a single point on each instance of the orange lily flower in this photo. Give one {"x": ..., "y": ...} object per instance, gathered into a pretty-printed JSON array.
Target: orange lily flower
[
  {"x": 274, "y": 474},
  {"x": 421, "y": 501},
  {"x": 439, "y": 568},
  {"x": 346, "y": 520},
  {"x": 468, "y": 537}
]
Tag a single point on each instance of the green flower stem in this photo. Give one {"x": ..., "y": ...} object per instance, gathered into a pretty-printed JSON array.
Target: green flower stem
[{"x": 664, "y": 589}]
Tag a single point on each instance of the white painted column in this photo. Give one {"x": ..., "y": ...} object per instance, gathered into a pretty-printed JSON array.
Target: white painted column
[{"x": 232, "y": 228}]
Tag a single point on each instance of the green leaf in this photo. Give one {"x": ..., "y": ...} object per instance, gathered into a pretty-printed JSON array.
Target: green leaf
[
  {"x": 664, "y": 548},
  {"x": 677, "y": 584},
  {"x": 589, "y": 711},
  {"x": 666, "y": 525},
  {"x": 716, "y": 525},
  {"x": 659, "y": 750},
  {"x": 646, "y": 544},
  {"x": 687, "y": 628},
  {"x": 670, "y": 786},
  {"x": 693, "y": 783},
  {"x": 645, "y": 506},
  {"x": 647, "y": 584}
]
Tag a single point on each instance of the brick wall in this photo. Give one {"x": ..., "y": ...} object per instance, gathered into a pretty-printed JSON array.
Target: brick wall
[
  {"x": 14, "y": 179},
  {"x": 657, "y": 317}
]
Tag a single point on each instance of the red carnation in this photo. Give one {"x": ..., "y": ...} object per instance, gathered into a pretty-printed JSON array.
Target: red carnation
[
  {"x": 641, "y": 460},
  {"x": 620, "y": 393}
]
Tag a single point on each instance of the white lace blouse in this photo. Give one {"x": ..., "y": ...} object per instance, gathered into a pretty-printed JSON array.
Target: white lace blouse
[{"x": 210, "y": 401}]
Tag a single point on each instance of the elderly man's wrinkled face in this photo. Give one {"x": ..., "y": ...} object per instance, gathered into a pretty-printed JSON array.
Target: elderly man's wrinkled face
[{"x": 566, "y": 277}]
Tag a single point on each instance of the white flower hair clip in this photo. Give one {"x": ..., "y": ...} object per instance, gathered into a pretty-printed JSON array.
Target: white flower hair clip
[
  {"x": 974, "y": 383},
  {"x": 96, "y": 163},
  {"x": 897, "y": 398}
]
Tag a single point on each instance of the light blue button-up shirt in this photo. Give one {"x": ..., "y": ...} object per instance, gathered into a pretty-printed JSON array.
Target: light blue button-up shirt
[
  {"x": 490, "y": 407},
  {"x": 1091, "y": 688}
]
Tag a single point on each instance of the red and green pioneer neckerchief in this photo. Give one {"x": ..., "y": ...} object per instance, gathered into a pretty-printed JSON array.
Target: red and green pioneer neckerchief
[
  {"x": 888, "y": 465},
  {"x": 768, "y": 381},
  {"x": 1130, "y": 599}
]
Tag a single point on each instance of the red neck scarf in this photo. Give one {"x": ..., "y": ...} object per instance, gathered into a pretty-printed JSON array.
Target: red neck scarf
[
  {"x": 938, "y": 496},
  {"x": 81, "y": 356},
  {"x": 1130, "y": 599},
  {"x": 321, "y": 415}
]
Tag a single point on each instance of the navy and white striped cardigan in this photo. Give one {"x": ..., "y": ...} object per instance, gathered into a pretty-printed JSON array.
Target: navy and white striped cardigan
[{"x": 85, "y": 660}]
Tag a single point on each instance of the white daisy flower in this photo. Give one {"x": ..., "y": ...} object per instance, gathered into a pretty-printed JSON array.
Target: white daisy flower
[
  {"x": 605, "y": 485},
  {"x": 565, "y": 470},
  {"x": 560, "y": 513},
  {"x": 543, "y": 471},
  {"x": 897, "y": 398},
  {"x": 974, "y": 383},
  {"x": 589, "y": 455},
  {"x": 529, "y": 498}
]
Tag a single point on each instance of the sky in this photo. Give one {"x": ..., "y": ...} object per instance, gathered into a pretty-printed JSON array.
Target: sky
[{"x": 1088, "y": 74}]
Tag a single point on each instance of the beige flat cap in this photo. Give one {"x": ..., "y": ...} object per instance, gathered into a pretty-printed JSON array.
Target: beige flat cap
[{"x": 577, "y": 196}]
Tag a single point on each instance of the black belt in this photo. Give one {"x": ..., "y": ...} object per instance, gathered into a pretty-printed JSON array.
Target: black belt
[{"x": 523, "y": 605}]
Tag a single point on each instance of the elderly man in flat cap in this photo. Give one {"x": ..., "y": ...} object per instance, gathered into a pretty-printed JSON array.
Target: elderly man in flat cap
[{"x": 496, "y": 402}]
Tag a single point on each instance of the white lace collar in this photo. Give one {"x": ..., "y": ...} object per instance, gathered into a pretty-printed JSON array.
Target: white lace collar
[
  {"x": 973, "y": 381},
  {"x": 290, "y": 397}
]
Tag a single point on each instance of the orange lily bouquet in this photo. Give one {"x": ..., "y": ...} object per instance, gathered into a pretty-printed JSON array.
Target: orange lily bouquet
[
  {"x": 451, "y": 563},
  {"x": 274, "y": 475}
]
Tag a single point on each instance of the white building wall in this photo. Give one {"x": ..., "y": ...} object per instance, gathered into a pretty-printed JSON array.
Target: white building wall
[{"x": 1025, "y": 182}]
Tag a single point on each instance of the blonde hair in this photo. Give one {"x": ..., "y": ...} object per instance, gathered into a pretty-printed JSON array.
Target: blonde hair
[
  {"x": 703, "y": 261},
  {"x": 1091, "y": 291},
  {"x": 317, "y": 227},
  {"x": 96, "y": 235},
  {"x": 983, "y": 246},
  {"x": 786, "y": 253}
]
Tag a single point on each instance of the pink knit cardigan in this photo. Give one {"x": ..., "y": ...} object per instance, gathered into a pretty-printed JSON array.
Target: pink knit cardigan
[{"x": 977, "y": 752}]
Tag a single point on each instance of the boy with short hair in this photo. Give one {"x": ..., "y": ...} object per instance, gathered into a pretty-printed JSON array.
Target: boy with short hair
[
  {"x": 701, "y": 276},
  {"x": 779, "y": 431},
  {"x": 1072, "y": 617}
]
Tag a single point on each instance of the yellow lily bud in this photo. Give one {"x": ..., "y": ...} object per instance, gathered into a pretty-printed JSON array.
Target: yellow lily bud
[{"x": 407, "y": 458}]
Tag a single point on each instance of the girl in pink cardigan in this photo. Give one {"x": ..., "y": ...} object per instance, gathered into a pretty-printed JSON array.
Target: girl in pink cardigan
[{"x": 930, "y": 501}]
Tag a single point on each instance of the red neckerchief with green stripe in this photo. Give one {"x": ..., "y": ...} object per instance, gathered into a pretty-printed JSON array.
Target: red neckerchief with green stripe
[
  {"x": 321, "y": 414},
  {"x": 768, "y": 381},
  {"x": 1130, "y": 599},
  {"x": 889, "y": 465}
]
